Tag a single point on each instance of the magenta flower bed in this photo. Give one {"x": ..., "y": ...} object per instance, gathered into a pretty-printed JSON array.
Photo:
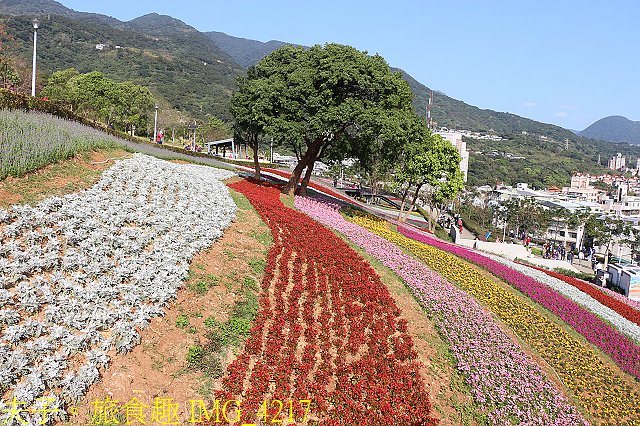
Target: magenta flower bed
[
  {"x": 615, "y": 344},
  {"x": 502, "y": 378}
]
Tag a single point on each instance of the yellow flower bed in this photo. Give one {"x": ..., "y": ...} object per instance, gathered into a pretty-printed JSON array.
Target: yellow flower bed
[{"x": 605, "y": 392}]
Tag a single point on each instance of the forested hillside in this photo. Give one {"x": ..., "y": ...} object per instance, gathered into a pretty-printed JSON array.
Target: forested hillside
[
  {"x": 177, "y": 62},
  {"x": 195, "y": 73},
  {"x": 244, "y": 51},
  {"x": 614, "y": 129}
]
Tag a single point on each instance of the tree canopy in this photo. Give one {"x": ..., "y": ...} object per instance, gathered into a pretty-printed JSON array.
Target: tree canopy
[
  {"x": 118, "y": 104},
  {"x": 330, "y": 100},
  {"x": 431, "y": 162}
]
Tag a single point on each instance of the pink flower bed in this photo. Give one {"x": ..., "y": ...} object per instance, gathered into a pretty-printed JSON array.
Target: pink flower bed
[
  {"x": 622, "y": 305},
  {"x": 502, "y": 378},
  {"x": 615, "y": 344}
]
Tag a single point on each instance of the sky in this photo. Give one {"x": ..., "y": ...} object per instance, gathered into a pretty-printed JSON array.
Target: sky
[{"x": 563, "y": 62}]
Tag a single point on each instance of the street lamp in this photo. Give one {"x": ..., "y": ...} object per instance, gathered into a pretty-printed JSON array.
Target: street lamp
[
  {"x": 155, "y": 125},
  {"x": 36, "y": 24}
]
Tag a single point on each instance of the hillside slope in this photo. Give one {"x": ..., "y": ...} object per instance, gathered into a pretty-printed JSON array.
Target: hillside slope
[
  {"x": 614, "y": 128},
  {"x": 244, "y": 51},
  {"x": 195, "y": 72},
  {"x": 175, "y": 61},
  {"x": 446, "y": 111},
  {"x": 41, "y": 7}
]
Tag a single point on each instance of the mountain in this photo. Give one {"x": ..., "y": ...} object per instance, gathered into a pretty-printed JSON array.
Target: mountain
[
  {"x": 40, "y": 8},
  {"x": 195, "y": 73},
  {"x": 614, "y": 128},
  {"x": 244, "y": 51},
  {"x": 181, "y": 65},
  {"x": 446, "y": 111}
]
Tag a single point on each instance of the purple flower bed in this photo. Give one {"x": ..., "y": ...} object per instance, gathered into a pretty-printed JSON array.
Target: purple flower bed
[
  {"x": 502, "y": 378},
  {"x": 615, "y": 344}
]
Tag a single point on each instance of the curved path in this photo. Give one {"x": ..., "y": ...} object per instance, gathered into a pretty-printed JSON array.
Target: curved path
[{"x": 160, "y": 152}]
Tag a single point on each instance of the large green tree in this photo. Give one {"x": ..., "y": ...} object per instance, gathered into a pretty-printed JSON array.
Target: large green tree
[
  {"x": 249, "y": 108},
  {"x": 58, "y": 87},
  {"x": 523, "y": 215},
  {"x": 326, "y": 100},
  {"x": 124, "y": 105},
  {"x": 433, "y": 163}
]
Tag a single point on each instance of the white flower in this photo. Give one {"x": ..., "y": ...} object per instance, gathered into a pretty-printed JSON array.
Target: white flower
[
  {"x": 107, "y": 259},
  {"x": 627, "y": 327}
]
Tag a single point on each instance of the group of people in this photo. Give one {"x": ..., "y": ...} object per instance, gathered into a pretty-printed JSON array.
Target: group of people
[
  {"x": 446, "y": 222},
  {"x": 196, "y": 148},
  {"x": 187, "y": 146},
  {"x": 556, "y": 252}
]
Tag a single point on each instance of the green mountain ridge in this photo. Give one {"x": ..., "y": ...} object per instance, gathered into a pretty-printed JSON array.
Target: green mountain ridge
[
  {"x": 179, "y": 63},
  {"x": 614, "y": 128},
  {"x": 40, "y": 8},
  {"x": 195, "y": 72},
  {"x": 446, "y": 111},
  {"x": 245, "y": 52}
]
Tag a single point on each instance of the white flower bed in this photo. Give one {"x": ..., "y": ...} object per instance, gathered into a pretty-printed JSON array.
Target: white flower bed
[
  {"x": 624, "y": 325},
  {"x": 81, "y": 274}
]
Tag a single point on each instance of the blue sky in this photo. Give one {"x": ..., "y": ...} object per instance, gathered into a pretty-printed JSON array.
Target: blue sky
[{"x": 563, "y": 62}]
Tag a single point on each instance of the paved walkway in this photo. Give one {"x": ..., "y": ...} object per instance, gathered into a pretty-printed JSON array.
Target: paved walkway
[{"x": 160, "y": 152}]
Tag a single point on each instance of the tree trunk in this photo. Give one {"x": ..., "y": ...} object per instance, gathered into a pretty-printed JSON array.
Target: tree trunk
[
  {"x": 292, "y": 183},
  {"x": 256, "y": 164},
  {"x": 413, "y": 202},
  {"x": 404, "y": 200},
  {"x": 302, "y": 191}
]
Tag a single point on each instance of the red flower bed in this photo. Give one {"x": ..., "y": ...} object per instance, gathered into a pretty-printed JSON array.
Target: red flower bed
[
  {"x": 620, "y": 307},
  {"x": 327, "y": 330}
]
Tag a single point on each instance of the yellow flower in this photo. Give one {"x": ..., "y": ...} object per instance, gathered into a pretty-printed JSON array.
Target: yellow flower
[{"x": 600, "y": 388}]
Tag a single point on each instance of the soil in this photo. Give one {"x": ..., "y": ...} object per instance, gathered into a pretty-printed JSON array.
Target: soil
[
  {"x": 63, "y": 177},
  {"x": 158, "y": 366}
]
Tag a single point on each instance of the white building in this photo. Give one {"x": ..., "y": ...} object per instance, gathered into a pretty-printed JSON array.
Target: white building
[
  {"x": 617, "y": 162},
  {"x": 456, "y": 140}
]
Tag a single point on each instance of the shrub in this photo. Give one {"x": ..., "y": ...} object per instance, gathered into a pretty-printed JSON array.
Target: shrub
[{"x": 182, "y": 321}]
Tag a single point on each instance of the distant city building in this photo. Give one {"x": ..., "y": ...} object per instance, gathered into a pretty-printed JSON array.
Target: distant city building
[
  {"x": 456, "y": 140},
  {"x": 617, "y": 162},
  {"x": 580, "y": 181}
]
